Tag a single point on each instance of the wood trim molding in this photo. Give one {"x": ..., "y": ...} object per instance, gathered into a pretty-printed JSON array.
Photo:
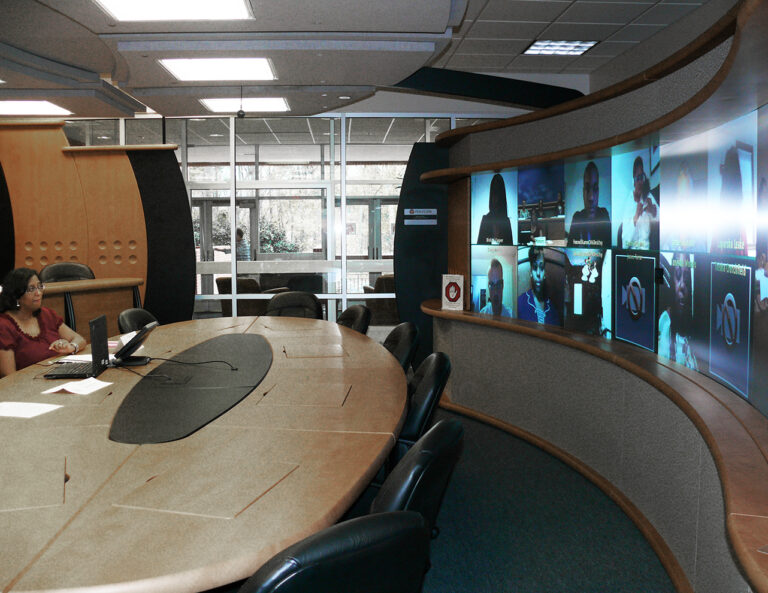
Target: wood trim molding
[
  {"x": 90, "y": 285},
  {"x": 119, "y": 148}
]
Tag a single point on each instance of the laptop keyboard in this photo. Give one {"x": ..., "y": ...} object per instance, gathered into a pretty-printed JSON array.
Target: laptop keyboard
[{"x": 74, "y": 368}]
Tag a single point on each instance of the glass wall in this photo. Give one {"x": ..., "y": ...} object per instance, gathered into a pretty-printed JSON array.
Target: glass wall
[{"x": 303, "y": 203}]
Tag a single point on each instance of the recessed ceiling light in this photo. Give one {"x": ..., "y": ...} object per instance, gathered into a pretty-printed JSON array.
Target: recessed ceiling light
[
  {"x": 104, "y": 137},
  {"x": 219, "y": 68},
  {"x": 558, "y": 48},
  {"x": 31, "y": 108},
  {"x": 345, "y": 98},
  {"x": 175, "y": 10},
  {"x": 2, "y": 82},
  {"x": 248, "y": 104},
  {"x": 216, "y": 135}
]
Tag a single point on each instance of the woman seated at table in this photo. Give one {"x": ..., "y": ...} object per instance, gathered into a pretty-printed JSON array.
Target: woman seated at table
[{"x": 30, "y": 332}]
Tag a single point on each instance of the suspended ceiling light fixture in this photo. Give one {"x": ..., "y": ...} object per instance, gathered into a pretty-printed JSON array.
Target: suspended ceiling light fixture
[
  {"x": 31, "y": 108},
  {"x": 197, "y": 69},
  {"x": 558, "y": 48},
  {"x": 249, "y": 104},
  {"x": 175, "y": 10}
]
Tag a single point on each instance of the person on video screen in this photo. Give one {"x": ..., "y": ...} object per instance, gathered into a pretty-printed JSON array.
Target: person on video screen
[
  {"x": 534, "y": 305},
  {"x": 495, "y": 306},
  {"x": 591, "y": 226},
  {"x": 676, "y": 322},
  {"x": 495, "y": 228},
  {"x": 640, "y": 224},
  {"x": 731, "y": 237}
]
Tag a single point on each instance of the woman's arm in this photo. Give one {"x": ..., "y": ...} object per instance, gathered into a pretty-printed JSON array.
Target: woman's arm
[
  {"x": 7, "y": 362},
  {"x": 70, "y": 343}
]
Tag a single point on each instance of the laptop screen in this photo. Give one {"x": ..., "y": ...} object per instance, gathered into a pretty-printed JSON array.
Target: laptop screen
[{"x": 99, "y": 347}]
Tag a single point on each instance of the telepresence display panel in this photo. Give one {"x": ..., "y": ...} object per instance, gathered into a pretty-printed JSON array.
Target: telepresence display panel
[{"x": 660, "y": 245}]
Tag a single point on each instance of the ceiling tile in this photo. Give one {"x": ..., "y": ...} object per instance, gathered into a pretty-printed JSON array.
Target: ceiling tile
[
  {"x": 601, "y": 12},
  {"x": 635, "y": 33},
  {"x": 587, "y": 62},
  {"x": 465, "y": 27},
  {"x": 578, "y": 32},
  {"x": 543, "y": 63},
  {"x": 664, "y": 14},
  {"x": 474, "y": 7},
  {"x": 609, "y": 49},
  {"x": 505, "y": 30},
  {"x": 478, "y": 62},
  {"x": 523, "y": 10},
  {"x": 493, "y": 46}
]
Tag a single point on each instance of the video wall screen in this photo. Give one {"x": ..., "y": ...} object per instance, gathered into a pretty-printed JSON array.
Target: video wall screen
[{"x": 660, "y": 245}]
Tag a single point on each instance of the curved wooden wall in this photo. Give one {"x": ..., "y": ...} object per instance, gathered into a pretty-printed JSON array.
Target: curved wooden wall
[
  {"x": 117, "y": 243},
  {"x": 121, "y": 210},
  {"x": 47, "y": 200}
]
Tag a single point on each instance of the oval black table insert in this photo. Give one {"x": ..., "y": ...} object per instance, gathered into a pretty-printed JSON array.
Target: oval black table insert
[{"x": 175, "y": 399}]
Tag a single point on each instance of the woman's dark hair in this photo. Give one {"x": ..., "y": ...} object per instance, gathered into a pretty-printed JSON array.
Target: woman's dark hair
[
  {"x": 14, "y": 286},
  {"x": 497, "y": 197}
]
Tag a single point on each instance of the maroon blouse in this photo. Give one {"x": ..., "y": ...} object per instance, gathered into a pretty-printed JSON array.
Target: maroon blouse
[{"x": 29, "y": 350}]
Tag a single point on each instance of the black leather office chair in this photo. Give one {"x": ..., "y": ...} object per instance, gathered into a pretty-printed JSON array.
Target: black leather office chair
[
  {"x": 295, "y": 304},
  {"x": 418, "y": 482},
  {"x": 356, "y": 317},
  {"x": 424, "y": 391},
  {"x": 132, "y": 320},
  {"x": 245, "y": 307},
  {"x": 65, "y": 271},
  {"x": 402, "y": 342},
  {"x": 386, "y": 553}
]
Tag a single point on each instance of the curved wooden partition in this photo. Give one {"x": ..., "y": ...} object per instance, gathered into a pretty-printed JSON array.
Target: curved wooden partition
[
  {"x": 683, "y": 456},
  {"x": 122, "y": 210}
]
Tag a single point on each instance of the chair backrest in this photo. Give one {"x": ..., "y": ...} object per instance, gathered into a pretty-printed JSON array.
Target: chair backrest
[
  {"x": 65, "y": 271},
  {"x": 402, "y": 342},
  {"x": 386, "y": 553},
  {"x": 419, "y": 480},
  {"x": 132, "y": 320},
  {"x": 424, "y": 391},
  {"x": 356, "y": 317},
  {"x": 244, "y": 286},
  {"x": 295, "y": 304}
]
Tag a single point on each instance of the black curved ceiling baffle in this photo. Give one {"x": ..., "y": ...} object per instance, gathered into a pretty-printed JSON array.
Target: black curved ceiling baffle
[{"x": 518, "y": 93}]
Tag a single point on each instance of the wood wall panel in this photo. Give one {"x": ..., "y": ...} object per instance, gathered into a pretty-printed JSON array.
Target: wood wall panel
[
  {"x": 458, "y": 229},
  {"x": 117, "y": 246},
  {"x": 47, "y": 200}
]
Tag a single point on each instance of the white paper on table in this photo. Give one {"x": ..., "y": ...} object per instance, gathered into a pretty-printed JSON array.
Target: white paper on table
[{"x": 84, "y": 387}]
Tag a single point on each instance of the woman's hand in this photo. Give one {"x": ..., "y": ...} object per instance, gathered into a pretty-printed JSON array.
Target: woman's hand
[{"x": 63, "y": 346}]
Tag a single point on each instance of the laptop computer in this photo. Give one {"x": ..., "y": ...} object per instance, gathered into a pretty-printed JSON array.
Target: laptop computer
[{"x": 99, "y": 355}]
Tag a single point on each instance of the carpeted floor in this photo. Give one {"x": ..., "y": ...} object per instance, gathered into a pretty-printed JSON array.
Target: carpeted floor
[{"x": 517, "y": 520}]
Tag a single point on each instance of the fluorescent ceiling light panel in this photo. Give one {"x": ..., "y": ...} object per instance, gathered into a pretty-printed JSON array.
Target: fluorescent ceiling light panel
[
  {"x": 219, "y": 68},
  {"x": 175, "y": 10},
  {"x": 249, "y": 104},
  {"x": 2, "y": 82},
  {"x": 558, "y": 48},
  {"x": 25, "y": 409},
  {"x": 31, "y": 108}
]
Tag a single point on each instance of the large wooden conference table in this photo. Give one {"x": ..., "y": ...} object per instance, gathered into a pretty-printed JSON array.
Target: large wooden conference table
[{"x": 79, "y": 512}]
